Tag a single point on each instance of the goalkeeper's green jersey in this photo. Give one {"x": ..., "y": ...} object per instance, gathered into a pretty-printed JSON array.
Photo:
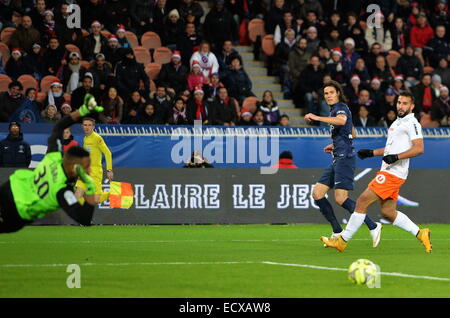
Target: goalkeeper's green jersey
[{"x": 36, "y": 192}]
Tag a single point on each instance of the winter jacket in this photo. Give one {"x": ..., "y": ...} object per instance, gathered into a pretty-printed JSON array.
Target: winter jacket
[
  {"x": 89, "y": 46},
  {"x": 14, "y": 152},
  {"x": 238, "y": 84},
  {"x": 271, "y": 114},
  {"x": 219, "y": 26},
  {"x": 9, "y": 105},
  {"x": 194, "y": 9},
  {"x": 141, "y": 10},
  {"x": 191, "y": 111},
  {"x": 298, "y": 59},
  {"x": 224, "y": 112},
  {"x": 174, "y": 77},
  {"x": 420, "y": 36},
  {"x": 311, "y": 80},
  {"x": 25, "y": 38},
  {"x": 14, "y": 68},
  {"x": 128, "y": 74},
  {"x": 410, "y": 66}
]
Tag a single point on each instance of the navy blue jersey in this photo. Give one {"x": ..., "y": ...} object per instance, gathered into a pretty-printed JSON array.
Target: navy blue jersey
[{"x": 342, "y": 135}]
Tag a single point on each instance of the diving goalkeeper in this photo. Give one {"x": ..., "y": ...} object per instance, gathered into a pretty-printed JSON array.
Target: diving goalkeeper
[{"x": 29, "y": 195}]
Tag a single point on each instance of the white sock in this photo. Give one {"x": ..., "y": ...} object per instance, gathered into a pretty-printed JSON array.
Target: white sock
[
  {"x": 354, "y": 223},
  {"x": 403, "y": 222}
]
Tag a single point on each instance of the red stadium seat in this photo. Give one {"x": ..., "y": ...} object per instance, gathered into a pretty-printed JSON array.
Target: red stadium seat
[
  {"x": 428, "y": 69},
  {"x": 250, "y": 103},
  {"x": 162, "y": 55},
  {"x": 150, "y": 40},
  {"x": 105, "y": 33},
  {"x": 46, "y": 81},
  {"x": 4, "y": 49},
  {"x": 67, "y": 97},
  {"x": 132, "y": 39},
  {"x": 28, "y": 81},
  {"x": 4, "y": 82},
  {"x": 6, "y": 34},
  {"x": 255, "y": 28},
  {"x": 142, "y": 55},
  {"x": 392, "y": 58},
  {"x": 73, "y": 48},
  {"x": 268, "y": 45},
  {"x": 153, "y": 70},
  {"x": 85, "y": 64},
  {"x": 41, "y": 96}
]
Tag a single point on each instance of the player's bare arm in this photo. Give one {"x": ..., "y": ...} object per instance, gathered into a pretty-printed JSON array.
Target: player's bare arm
[{"x": 339, "y": 120}]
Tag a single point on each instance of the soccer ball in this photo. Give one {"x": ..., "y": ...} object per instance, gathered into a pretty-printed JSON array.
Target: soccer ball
[{"x": 363, "y": 272}]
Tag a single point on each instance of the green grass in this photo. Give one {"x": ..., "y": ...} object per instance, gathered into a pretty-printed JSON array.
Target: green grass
[{"x": 132, "y": 261}]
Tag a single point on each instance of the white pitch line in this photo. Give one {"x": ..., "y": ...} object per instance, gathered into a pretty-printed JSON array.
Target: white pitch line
[
  {"x": 362, "y": 174},
  {"x": 344, "y": 270}
]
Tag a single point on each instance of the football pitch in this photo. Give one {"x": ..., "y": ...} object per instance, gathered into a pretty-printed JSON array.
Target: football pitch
[{"x": 209, "y": 261}]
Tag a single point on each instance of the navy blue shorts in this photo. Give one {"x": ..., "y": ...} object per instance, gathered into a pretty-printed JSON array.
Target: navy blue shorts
[{"x": 340, "y": 173}]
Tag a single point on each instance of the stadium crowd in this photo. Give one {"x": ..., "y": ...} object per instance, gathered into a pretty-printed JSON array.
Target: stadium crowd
[{"x": 203, "y": 77}]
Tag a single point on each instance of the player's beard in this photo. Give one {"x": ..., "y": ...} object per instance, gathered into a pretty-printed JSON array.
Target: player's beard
[{"x": 405, "y": 113}]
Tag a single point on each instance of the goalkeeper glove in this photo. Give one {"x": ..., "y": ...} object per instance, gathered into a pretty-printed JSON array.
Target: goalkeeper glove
[
  {"x": 89, "y": 106},
  {"x": 389, "y": 159},
  {"x": 90, "y": 186},
  {"x": 365, "y": 153}
]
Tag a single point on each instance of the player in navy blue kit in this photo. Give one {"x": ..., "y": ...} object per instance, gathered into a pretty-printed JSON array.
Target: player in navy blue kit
[{"x": 339, "y": 174}]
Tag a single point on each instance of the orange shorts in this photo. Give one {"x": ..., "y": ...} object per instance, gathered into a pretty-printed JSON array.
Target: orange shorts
[{"x": 386, "y": 185}]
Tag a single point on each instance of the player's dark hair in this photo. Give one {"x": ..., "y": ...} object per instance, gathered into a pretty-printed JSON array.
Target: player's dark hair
[
  {"x": 338, "y": 88},
  {"x": 92, "y": 120},
  {"x": 408, "y": 94},
  {"x": 77, "y": 152}
]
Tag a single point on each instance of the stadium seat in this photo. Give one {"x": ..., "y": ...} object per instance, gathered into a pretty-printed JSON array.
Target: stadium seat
[
  {"x": 150, "y": 40},
  {"x": 73, "y": 48},
  {"x": 250, "y": 103},
  {"x": 46, "y": 81},
  {"x": 4, "y": 82},
  {"x": 28, "y": 81},
  {"x": 268, "y": 45},
  {"x": 67, "y": 97},
  {"x": 85, "y": 64},
  {"x": 142, "y": 55},
  {"x": 152, "y": 86},
  {"x": 132, "y": 38},
  {"x": 392, "y": 58},
  {"x": 105, "y": 33},
  {"x": 153, "y": 70},
  {"x": 255, "y": 28},
  {"x": 6, "y": 34},
  {"x": 428, "y": 69},
  {"x": 4, "y": 50},
  {"x": 84, "y": 32},
  {"x": 363, "y": 25},
  {"x": 41, "y": 96},
  {"x": 162, "y": 55}
]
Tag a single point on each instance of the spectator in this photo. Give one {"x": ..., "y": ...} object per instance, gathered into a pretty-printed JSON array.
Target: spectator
[
  {"x": 237, "y": 81},
  {"x": 55, "y": 96},
  {"x": 363, "y": 119},
  {"x": 352, "y": 90},
  {"x": 212, "y": 88},
  {"x": 93, "y": 10},
  {"x": 173, "y": 30},
  {"x": 219, "y": 25},
  {"x": 147, "y": 116},
  {"x": 311, "y": 82},
  {"x": 388, "y": 103},
  {"x": 258, "y": 118},
  {"x": 288, "y": 24},
  {"x": 162, "y": 103},
  {"x": 437, "y": 47},
  {"x": 333, "y": 39},
  {"x": 207, "y": 59},
  {"x": 135, "y": 103},
  {"x": 14, "y": 151},
  {"x": 35, "y": 62},
  {"x": 94, "y": 43},
  {"x": 312, "y": 40},
  {"x": 16, "y": 65},
  {"x": 270, "y": 109},
  {"x": 286, "y": 161},
  {"x": 129, "y": 73},
  {"x": 371, "y": 106},
  {"x": 380, "y": 34},
  {"x": 399, "y": 84},
  {"x": 421, "y": 33},
  {"x": 101, "y": 71},
  {"x": 410, "y": 66},
  {"x": 174, "y": 74},
  {"x": 25, "y": 35},
  {"x": 121, "y": 35},
  {"x": 72, "y": 72},
  {"x": 49, "y": 27},
  {"x": 349, "y": 56},
  {"x": 115, "y": 13},
  {"x": 382, "y": 71},
  {"x": 199, "y": 109},
  {"x": 440, "y": 110},
  {"x": 37, "y": 13},
  {"x": 114, "y": 52},
  {"x": 388, "y": 119},
  {"x": 424, "y": 96},
  {"x": 141, "y": 13},
  {"x": 281, "y": 59},
  {"x": 28, "y": 112},
  {"x": 443, "y": 71},
  {"x": 11, "y": 100},
  {"x": 334, "y": 23},
  {"x": 68, "y": 140},
  {"x": 190, "y": 7},
  {"x": 112, "y": 104},
  {"x": 298, "y": 59},
  {"x": 400, "y": 36},
  {"x": 274, "y": 16},
  {"x": 361, "y": 46},
  {"x": 160, "y": 13},
  {"x": 284, "y": 120},
  {"x": 196, "y": 77},
  {"x": 225, "y": 55},
  {"x": 376, "y": 91},
  {"x": 371, "y": 58},
  {"x": 188, "y": 43},
  {"x": 246, "y": 118},
  {"x": 66, "y": 109},
  {"x": 53, "y": 57},
  {"x": 439, "y": 14},
  {"x": 311, "y": 20},
  {"x": 335, "y": 67},
  {"x": 87, "y": 86},
  {"x": 436, "y": 84},
  {"x": 67, "y": 33},
  {"x": 351, "y": 23},
  {"x": 50, "y": 114},
  {"x": 225, "y": 109},
  {"x": 178, "y": 114}
]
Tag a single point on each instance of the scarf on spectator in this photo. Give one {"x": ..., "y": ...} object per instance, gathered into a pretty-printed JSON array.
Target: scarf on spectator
[
  {"x": 177, "y": 113},
  {"x": 427, "y": 100},
  {"x": 51, "y": 97},
  {"x": 74, "y": 77},
  {"x": 200, "y": 114}
]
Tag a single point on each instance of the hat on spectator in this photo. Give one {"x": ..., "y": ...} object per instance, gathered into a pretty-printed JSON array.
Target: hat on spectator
[
  {"x": 35, "y": 45},
  {"x": 100, "y": 56},
  {"x": 355, "y": 77},
  {"x": 443, "y": 88},
  {"x": 312, "y": 29},
  {"x": 96, "y": 23},
  {"x": 436, "y": 78},
  {"x": 56, "y": 83},
  {"x": 198, "y": 90},
  {"x": 196, "y": 64},
  {"x": 414, "y": 4},
  {"x": 337, "y": 50},
  {"x": 74, "y": 54},
  {"x": 421, "y": 14},
  {"x": 399, "y": 77},
  {"x": 176, "y": 54},
  {"x": 349, "y": 41},
  {"x": 390, "y": 91},
  {"x": 245, "y": 112},
  {"x": 174, "y": 12},
  {"x": 48, "y": 12},
  {"x": 121, "y": 29},
  {"x": 66, "y": 105},
  {"x": 376, "y": 80},
  {"x": 16, "y": 51},
  {"x": 112, "y": 37}
]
